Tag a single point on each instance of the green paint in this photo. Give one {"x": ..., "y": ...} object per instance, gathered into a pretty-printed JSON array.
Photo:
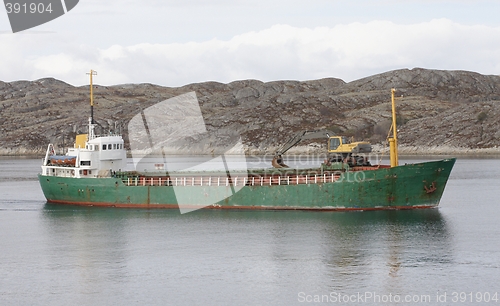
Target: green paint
[{"x": 408, "y": 186}]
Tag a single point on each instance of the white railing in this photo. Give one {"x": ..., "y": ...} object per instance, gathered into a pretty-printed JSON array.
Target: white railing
[{"x": 234, "y": 181}]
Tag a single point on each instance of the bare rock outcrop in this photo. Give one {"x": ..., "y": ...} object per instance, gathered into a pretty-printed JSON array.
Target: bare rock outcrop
[{"x": 452, "y": 110}]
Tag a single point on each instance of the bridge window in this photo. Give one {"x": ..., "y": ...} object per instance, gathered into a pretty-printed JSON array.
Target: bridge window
[
  {"x": 114, "y": 146},
  {"x": 85, "y": 163},
  {"x": 109, "y": 146},
  {"x": 103, "y": 147}
]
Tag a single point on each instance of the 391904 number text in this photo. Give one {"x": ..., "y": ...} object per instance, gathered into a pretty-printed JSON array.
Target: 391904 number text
[
  {"x": 25, "y": 8},
  {"x": 477, "y": 297}
]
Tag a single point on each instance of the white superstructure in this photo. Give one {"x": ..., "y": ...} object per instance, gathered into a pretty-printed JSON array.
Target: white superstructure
[{"x": 97, "y": 156}]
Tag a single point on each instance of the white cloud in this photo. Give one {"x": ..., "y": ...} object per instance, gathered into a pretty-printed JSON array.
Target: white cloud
[{"x": 347, "y": 51}]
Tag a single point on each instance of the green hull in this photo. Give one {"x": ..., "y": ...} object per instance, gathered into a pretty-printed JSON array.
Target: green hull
[{"x": 404, "y": 187}]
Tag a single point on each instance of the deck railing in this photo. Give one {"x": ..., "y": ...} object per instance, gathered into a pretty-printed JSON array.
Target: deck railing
[{"x": 233, "y": 181}]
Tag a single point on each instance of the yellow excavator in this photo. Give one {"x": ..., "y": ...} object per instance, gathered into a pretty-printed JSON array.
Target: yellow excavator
[{"x": 340, "y": 148}]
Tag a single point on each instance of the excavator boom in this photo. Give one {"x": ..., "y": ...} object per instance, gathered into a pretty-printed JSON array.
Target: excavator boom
[
  {"x": 339, "y": 148},
  {"x": 303, "y": 135}
]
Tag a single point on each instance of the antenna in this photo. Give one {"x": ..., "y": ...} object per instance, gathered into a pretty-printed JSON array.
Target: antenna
[
  {"x": 92, "y": 72},
  {"x": 91, "y": 134}
]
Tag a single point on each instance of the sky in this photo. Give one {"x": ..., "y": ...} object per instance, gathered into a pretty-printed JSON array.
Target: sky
[{"x": 178, "y": 42}]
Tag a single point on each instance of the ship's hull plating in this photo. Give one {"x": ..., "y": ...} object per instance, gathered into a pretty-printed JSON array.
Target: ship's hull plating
[{"x": 409, "y": 186}]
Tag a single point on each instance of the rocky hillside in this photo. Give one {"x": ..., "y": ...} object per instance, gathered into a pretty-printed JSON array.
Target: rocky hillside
[{"x": 438, "y": 111}]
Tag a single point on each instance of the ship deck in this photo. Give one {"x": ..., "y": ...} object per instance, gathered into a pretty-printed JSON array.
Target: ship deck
[{"x": 251, "y": 178}]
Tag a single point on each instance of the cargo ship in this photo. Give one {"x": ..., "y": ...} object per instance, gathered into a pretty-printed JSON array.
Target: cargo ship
[{"x": 91, "y": 173}]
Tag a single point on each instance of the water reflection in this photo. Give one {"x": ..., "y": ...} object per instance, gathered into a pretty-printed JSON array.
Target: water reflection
[
  {"x": 269, "y": 251},
  {"x": 378, "y": 251},
  {"x": 88, "y": 248}
]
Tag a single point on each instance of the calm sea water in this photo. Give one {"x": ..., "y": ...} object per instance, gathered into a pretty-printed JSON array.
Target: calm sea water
[{"x": 65, "y": 255}]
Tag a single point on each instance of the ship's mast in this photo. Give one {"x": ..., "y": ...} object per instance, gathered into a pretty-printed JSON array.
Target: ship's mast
[
  {"x": 91, "y": 119},
  {"x": 393, "y": 142}
]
